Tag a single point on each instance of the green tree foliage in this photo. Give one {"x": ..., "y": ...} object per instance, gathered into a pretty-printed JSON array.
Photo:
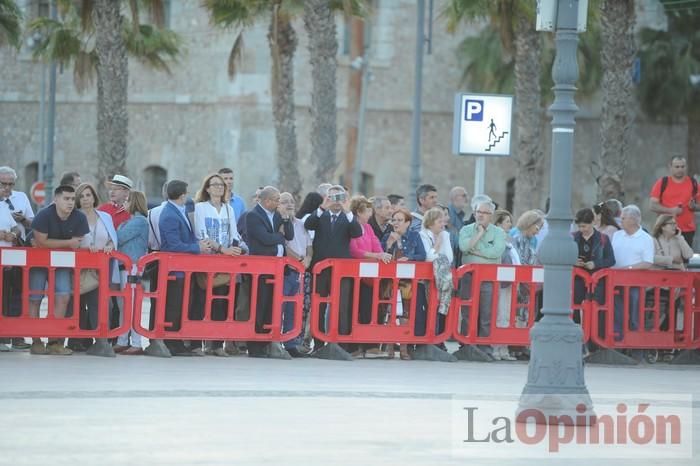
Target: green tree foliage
[{"x": 10, "y": 23}]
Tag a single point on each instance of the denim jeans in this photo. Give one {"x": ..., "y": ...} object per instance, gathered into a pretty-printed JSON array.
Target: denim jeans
[{"x": 618, "y": 326}]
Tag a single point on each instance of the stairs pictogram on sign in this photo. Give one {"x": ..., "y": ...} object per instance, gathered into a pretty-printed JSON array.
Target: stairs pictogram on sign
[{"x": 496, "y": 141}]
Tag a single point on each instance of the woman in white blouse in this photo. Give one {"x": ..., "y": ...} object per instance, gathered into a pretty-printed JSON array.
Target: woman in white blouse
[
  {"x": 215, "y": 220},
  {"x": 102, "y": 237}
]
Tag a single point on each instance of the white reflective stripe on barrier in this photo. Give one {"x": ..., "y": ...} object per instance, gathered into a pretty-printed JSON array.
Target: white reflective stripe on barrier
[
  {"x": 505, "y": 274},
  {"x": 538, "y": 275},
  {"x": 13, "y": 257},
  {"x": 369, "y": 269},
  {"x": 62, "y": 259},
  {"x": 405, "y": 270}
]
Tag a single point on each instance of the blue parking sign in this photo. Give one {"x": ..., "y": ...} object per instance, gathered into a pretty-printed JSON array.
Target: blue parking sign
[{"x": 474, "y": 110}]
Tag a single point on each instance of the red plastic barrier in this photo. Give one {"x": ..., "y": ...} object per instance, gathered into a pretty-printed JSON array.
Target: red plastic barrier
[
  {"x": 16, "y": 265},
  {"x": 379, "y": 283},
  {"x": 636, "y": 304},
  {"x": 239, "y": 323},
  {"x": 516, "y": 290}
]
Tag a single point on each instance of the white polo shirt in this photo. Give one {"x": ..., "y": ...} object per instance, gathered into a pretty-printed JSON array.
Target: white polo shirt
[
  {"x": 7, "y": 223},
  {"x": 632, "y": 249},
  {"x": 153, "y": 230},
  {"x": 20, "y": 203}
]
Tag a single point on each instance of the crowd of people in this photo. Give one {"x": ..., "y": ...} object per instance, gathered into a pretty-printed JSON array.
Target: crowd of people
[{"x": 329, "y": 223}]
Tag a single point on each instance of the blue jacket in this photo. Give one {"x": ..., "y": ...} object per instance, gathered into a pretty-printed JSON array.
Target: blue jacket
[
  {"x": 410, "y": 245},
  {"x": 133, "y": 237},
  {"x": 176, "y": 233}
]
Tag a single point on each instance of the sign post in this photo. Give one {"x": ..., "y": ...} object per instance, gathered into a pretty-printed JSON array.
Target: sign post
[
  {"x": 482, "y": 128},
  {"x": 38, "y": 193}
]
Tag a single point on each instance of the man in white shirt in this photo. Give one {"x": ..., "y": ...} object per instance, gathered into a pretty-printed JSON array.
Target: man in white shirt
[
  {"x": 17, "y": 214},
  {"x": 299, "y": 248},
  {"x": 634, "y": 250}
]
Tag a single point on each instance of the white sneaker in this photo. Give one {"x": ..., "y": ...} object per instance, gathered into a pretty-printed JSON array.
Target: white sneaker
[{"x": 4, "y": 348}]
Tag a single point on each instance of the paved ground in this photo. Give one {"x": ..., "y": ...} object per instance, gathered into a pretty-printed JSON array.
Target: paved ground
[{"x": 211, "y": 411}]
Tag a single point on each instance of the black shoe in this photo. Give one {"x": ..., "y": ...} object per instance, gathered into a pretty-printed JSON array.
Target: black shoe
[{"x": 295, "y": 353}]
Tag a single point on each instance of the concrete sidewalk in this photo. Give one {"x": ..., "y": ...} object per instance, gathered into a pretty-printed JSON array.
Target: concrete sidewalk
[{"x": 210, "y": 411}]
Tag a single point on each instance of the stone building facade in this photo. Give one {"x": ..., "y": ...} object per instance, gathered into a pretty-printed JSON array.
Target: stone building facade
[{"x": 196, "y": 120}]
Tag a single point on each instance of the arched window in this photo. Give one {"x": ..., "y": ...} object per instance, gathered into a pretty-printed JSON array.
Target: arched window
[{"x": 153, "y": 179}]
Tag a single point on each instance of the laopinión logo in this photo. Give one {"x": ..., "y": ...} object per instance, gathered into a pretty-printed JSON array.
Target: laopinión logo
[{"x": 640, "y": 426}]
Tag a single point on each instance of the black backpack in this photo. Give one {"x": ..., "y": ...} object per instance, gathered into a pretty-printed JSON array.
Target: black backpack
[{"x": 664, "y": 184}]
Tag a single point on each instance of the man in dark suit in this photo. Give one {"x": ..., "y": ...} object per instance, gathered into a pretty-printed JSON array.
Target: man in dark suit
[
  {"x": 177, "y": 235},
  {"x": 335, "y": 226},
  {"x": 267, "y": 233}
]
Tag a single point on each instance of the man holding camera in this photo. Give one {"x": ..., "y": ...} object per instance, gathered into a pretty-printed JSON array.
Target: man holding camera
[{"x": 334, "y": 227}]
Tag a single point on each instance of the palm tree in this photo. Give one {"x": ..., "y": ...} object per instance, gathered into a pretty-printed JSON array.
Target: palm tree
[
  {"x": 10, "y": 23},
  {"x": 513, "y": 23},
  {"x": 670, "y": 66},
  {"x": 617, "y": 20},
  {"x": 319, "y": 22},
  {"x": 283, "y": 41},
  {"x": 97, "y": 38}
]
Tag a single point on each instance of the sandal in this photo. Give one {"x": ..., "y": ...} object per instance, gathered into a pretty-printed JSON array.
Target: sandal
[{"x": 132, "y": 351}]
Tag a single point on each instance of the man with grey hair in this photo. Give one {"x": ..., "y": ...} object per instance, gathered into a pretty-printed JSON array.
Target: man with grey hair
[
  {"x": 379, "y": 221},
  {"x": 268, "y": 233},
  {"x": 17, "y": 205},
  {"x": 481, "y": 243},
  {"x": 323, "y": 188},
  {"x": 634, "y": 250}
]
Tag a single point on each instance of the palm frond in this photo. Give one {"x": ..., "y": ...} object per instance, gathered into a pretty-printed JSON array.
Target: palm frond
[
  {"x": 86, "y": 9},
  {"x": 60, "y": 41},
  {"x": 153, "y": 47},
  {"x": 457, "y": 11},
  {"x": 84, "y": 70},
  {"x": 236, "y": 13},
  {"x": 10, "y": 23},
  {"x": 359, "y": 8},
  {"x": 234, "y": 57},
  {"x": 486, "y": 67}
]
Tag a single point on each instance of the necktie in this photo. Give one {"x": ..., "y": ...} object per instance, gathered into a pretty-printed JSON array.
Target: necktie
[{"x": 334, "y": 217}]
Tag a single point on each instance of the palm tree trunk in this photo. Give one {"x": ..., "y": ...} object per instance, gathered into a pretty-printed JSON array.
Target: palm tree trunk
[
  {"x": 528, "y": 117},
  {"x": 112, "y": 83},
  {"x": 283, "y": 43},
  {"x": 319, "y": 22},
  {"x": 617, "y": 114}
]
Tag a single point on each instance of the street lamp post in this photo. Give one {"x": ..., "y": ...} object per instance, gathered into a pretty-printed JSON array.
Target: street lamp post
[{"x": 555, "y": 383}]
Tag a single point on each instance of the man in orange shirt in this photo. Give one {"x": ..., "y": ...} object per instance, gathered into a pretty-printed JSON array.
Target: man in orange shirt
[{"x": 677, "y": 195}]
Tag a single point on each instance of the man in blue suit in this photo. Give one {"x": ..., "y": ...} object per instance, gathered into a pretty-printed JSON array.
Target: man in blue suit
[
  {"x": 267, "y": 233},
  {"x": 177, "y": 235}
]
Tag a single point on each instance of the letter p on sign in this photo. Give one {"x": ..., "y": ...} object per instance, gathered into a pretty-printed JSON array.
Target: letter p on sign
[{"x": 474, "y": 110}]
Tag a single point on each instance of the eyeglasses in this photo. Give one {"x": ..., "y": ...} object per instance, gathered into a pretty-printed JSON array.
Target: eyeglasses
[
  {"x": 216, "y": 185},
  {"x": 483, "y": 212},
  {"x": 9, "y": 185},
  {"x": 670, "y": 223},
  {"x": 397, "y": 220}
]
